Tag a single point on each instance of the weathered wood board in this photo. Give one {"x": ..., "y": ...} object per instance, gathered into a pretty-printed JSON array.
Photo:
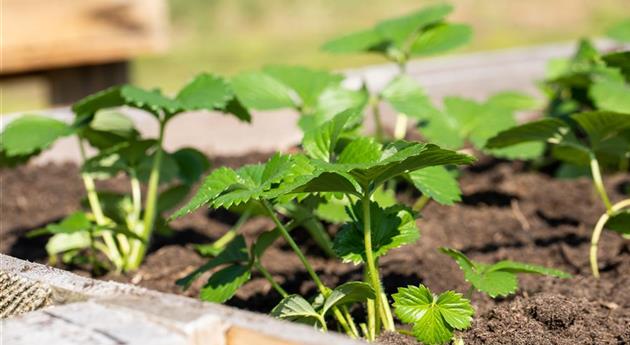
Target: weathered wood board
[{"x": 47, "y": 34}]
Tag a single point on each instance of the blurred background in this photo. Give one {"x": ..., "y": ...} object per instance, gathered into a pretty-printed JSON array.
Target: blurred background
[{"x": 227, "y": 36}]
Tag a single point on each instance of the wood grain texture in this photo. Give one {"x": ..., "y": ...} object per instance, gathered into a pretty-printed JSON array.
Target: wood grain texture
[{"x": 44, "y": 34}]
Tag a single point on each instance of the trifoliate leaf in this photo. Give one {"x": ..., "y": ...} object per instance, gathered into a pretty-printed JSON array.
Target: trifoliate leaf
[
  {"x": 346, "y": 293},
  {"x": 441, "y": 38},
  {"x": 296, "y": 308},
  {"x": 235, "y": 252},
  {"x": 434, "y": 318},
  {"x": 619, "y": 222},
  {"x": 437, "y": 183},
  {"x": 364, "y": 170},
  {"x": 223, "y": 284},
  {"x": 31, "y": 133},
  {"x": 407, "y": 97},
  {"x": 259, "y": 90},
  {"x": 214, "y": 184},
  {"x": 390, "y": 228}
]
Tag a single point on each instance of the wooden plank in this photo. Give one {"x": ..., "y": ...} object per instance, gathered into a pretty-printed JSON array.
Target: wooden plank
[{"x": 44, "y": 34}]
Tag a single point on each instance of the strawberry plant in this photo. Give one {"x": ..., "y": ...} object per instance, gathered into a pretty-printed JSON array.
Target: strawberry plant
[
  {"x": 119, "y": 226},
  {"x": 498, "y": 279},
  {"x": 588, "y": 139},
  {"x": 422, "y": 33},
  {"x": 334, "y": 166}
]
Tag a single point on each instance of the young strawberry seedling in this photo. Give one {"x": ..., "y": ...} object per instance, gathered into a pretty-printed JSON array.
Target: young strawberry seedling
[
  {"x": 498, "y": 279},
  {"x": 587, "y": 139},
  {"x": 354, "y": 168},
  {"x": 121, "y": 222}
]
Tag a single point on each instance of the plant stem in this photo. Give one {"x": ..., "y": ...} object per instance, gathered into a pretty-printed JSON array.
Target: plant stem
[
  {"x": 97, "y": 211},
  {"x": 371, "y": 320},
  {"x": 406, "y": 332},
  {"x": 346, "y": 313},
  {"x": 220, "y": 243},
  {"x": 150, "y": 206},
  {"x": 599, "y": 183},
  {"x": 400, "y": 130},
  {"x": 287, "y": 237},
  {"x": 597, "y": 232},
  {"x": 421, "y": 203},
  {"x": 269, "y": 278},
  {"x": 380, "y": 307},
  {"x": 378, "y": 122},
  {"x": 325, "y": 291}
]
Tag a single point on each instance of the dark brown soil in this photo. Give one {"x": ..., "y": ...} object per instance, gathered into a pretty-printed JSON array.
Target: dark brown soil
[{"x": 507, "y": 213}]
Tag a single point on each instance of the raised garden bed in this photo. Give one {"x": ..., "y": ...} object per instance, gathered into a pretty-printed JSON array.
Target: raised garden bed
[
  {"x": 311, "y": 224},
  {"x": 507, "y": 213}
]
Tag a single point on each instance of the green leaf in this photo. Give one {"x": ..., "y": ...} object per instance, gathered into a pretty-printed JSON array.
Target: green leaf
[
  {"x": 437, "y": 183},
  {"x": 296, "y": 308},
  {"x": 261, "y": 91},
  {"x": 399, "y": 30},
  {"x": 500, "y": 278},
  {"x": 610, "y": 94},
  {"x": 520, "y": 151},
  {"x": 601, "y": 125},
  {"x": 214, "y": 184},
  {"x": 390, "y": 228},
  {"x": 223, "y": 284},
  {"x": 407, "y": 97},
  {"x": 326, "y": 182},
  {"x": 620, "y": 31},
  {"x": 259, "y": 181},
  {"x": 75, "y": 222},
  {"x": 62, "y": 242},
  {"x": 359, "y": 160},
  {"x": 31, "y": 133},
  {"x": 361, "y": 41},
  {"x": 361, "y": 150},
  {"x": 307, "y": 83},
  {"x": 546, "y": 130},
  {"x": 162, "y": 107},
  {"x": 191, "y": 164},
  {"x": 321, "y": 142},
  {"x": 441, "y": 38},
  {"x": 519, "y": 267},
  {"x": 235, "y": 252},
  {"x": 620, "y": 222},
  {"x": 513, "y": 100},
  {"x": 205, "y": 91},
  {"x": 332, "y": 101},
  {"x": 113, "y": 122},
  {"x": 434, "y": 318},
  {"x": 346, "y": 293}
]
